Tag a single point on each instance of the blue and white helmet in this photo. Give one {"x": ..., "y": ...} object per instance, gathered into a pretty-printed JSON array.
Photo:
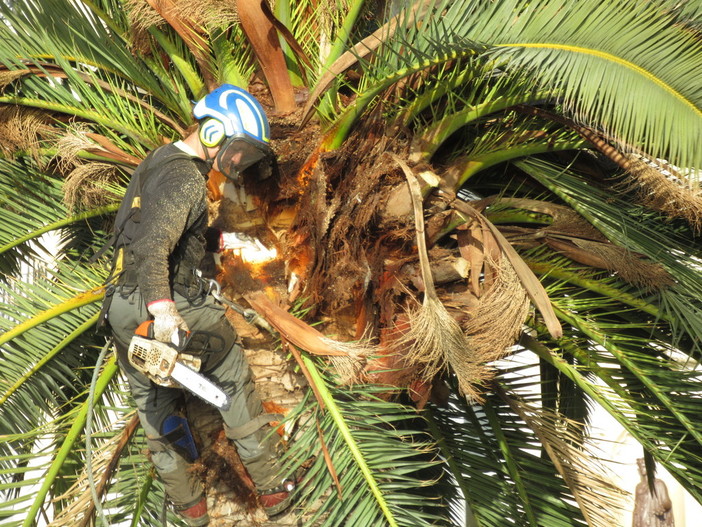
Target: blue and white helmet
[
  {"x": 230, "y": 111},
  {"x": 233, "y": 120}
]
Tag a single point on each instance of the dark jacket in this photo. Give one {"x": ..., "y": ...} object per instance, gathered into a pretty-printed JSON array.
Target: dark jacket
[{"x": 162, "y": 223}]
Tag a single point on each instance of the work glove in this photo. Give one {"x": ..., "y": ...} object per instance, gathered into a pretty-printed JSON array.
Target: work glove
[
  {"x": 249, "y": 248},
  {"x": 167, "y": 321}
]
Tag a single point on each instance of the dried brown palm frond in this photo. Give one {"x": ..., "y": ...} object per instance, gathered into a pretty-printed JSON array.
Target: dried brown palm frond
[
  {"x": 434, "y": 339},
  {"x": 21, "y": 130},
  {"x": 599, "y": 499},
  {"x": 85, "y": 186},
  {"x": 347, "y": 358},
  {"x": 79, "y": 512},
  {"x": 661, "y": 188},
  {"x": 571, "y": 235},
  {"x": 630, "y": 266},
  {"x": 436, "y": 342}
]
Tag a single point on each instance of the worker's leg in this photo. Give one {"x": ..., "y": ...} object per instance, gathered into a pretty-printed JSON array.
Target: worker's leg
[
  {"x": 156, "y": 404},
  {"x": 245, "y": 422}
]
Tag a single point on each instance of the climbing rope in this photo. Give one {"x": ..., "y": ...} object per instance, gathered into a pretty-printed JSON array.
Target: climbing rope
[{"x": 88, "y": 434}]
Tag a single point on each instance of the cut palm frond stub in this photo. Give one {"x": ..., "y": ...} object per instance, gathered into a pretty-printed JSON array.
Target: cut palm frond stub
[
  {"x": 348, "y": 358},
  {"x": 434, "y": 339}
]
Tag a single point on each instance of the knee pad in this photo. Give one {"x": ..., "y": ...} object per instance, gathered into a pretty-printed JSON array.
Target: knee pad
[
  {"x": 176, "y": 435},
  {"x": 178, "y": 430}
]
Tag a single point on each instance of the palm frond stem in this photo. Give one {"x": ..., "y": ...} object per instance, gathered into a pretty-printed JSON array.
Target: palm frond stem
[
  {"x": 97, "y": 503},
  {"x": 83, "y": 299},
  {"x": 100, "y": 211},
  {"x": 431, "y": 139},
  {"x": 109, "y": 371},
  {"x": 343, "y": 125},
  {"x": 473, "y": 165},
  {"x": 343, "y": 428},
  {"x": 185, "y": 68}
]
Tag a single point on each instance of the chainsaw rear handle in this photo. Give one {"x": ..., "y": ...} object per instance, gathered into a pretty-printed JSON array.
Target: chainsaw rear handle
[{"x": 197, "y": 340}]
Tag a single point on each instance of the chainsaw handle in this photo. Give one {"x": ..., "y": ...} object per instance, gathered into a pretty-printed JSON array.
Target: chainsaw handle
[{"x": 146, "y": 330}]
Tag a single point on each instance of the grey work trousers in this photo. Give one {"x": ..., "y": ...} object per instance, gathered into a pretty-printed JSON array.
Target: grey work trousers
[{"x": 229, "y": 369}]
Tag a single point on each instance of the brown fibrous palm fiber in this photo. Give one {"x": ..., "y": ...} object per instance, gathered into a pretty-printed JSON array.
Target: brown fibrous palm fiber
[
  {"x": 668, "y": 193},
  {"x": 350, "y": 369},
  {"x": 435, "y": 341},
  {"x": 206, "y": 13},
  {"x": 629, "y": 266},
  {"x": 84, "y": 186},
  {"x": 8, "y": 77},
  {"x": 69, "y": 146},
  {"x": 20, "y": 130},
  {"x": 496, "y": 323}
]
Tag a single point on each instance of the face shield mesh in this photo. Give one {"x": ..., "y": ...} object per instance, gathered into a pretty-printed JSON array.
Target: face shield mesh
[{"x": 239, "y": 153}]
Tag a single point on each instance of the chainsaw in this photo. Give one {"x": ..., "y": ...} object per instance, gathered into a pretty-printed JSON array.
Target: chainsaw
[{"x": 167, "y": 365}]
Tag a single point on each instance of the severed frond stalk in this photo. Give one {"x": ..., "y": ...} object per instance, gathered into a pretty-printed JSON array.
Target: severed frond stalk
[
  {"x": 434, "y": 339},
  {"x": 599, "y": 499},
  {"x": 348, "y": 358}
]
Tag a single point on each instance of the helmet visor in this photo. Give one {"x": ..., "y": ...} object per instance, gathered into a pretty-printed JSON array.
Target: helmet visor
[{"x": 239, "y": 153}]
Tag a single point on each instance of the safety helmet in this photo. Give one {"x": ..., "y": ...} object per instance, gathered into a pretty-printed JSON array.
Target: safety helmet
[{"x": 231, "y": 117}]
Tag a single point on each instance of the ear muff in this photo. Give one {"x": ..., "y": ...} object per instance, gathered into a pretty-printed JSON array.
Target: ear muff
[{"x": 211, "y": 133}]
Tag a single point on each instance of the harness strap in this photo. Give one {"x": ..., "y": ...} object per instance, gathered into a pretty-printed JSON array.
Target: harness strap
[
  {"x": 240, "y": 432},
  {"x": 164, "y": 442}
]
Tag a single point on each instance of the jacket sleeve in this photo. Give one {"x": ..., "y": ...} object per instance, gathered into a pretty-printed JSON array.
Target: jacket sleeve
[{"x": 167, "y": 202}]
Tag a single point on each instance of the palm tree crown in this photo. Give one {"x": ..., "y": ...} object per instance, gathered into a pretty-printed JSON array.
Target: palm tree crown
[{"x": 460, "y": 181}]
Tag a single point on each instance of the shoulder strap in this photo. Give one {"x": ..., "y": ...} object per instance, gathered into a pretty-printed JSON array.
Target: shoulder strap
[{"x": 157, "y": 158}]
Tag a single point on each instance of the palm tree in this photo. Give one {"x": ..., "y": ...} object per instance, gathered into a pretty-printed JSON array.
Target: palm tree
[{"x": 473, "y": 180}]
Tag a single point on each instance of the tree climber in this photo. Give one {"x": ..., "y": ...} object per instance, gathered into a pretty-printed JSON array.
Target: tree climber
[{"x": 161, "y": 236}]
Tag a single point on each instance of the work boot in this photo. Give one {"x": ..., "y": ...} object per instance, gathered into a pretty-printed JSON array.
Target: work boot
[
  {"x": 278, "y": 499},
  {"x": 195, "y": 515}
]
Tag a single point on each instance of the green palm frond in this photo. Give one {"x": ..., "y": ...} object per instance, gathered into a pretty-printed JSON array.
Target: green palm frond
[
  {"x": 619, "y": 48},
  {"x": 631, "y": 227},
  {"x": 34, "y": 207},
  {"x": 504, "y": 479},
  {"x": 383, "y": 465},
  {"x": 44, "y": 331},
  {"x": 609, "y": 82}
]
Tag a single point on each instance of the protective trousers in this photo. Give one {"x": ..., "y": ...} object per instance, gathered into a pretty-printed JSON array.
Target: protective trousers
[{"x": 244, "y": 422}]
